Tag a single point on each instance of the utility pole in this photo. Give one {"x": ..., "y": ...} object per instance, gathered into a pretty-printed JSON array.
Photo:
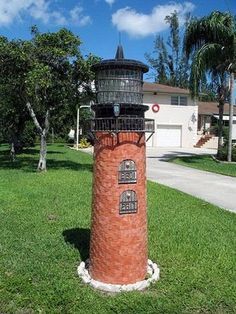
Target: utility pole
[
  {"x": 231, "y": 113},
  {"x": 77, "y": 130}
]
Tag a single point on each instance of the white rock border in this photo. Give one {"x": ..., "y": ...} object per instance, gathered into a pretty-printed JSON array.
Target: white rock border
[{"x": 152, "y": 270}]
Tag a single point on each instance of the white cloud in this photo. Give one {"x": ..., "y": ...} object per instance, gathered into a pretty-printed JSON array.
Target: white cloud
[
  {"x": 110, "y": 2},
  {"x": 140, "y": 25},
  {"x": 85, "y": 20},
  {"x": 77, "y": 17},
  {"x": 12, "y": 10},
  {"x": 40, "y": 11},
  {"x": 58, "y": 18}
]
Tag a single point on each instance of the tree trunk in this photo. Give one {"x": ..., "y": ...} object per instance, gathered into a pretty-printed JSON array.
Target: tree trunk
[
  {"x": 13, "y": 152},
  {"x": 43, "y": 136},
  {"x": 16, "y": 146},
  {"x": 231, "y": 104},
  {"x": 43, "y": 153},
  {"x": 220, "y": 127}
]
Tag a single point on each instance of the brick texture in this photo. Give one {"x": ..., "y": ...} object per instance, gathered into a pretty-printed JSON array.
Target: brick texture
[{"x": 118, "y": 246}]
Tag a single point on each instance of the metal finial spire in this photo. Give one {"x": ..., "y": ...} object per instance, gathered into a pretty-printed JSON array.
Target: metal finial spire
[{"x": 119, "y": 51}]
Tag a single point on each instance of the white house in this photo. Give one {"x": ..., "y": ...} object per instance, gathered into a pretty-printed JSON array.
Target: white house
[
  {"x": 208, "y": 114},
  {"x": 175, "y": 115}
]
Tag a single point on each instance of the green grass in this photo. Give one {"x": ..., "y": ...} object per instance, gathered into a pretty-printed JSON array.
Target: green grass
[
  {"x": 45, "y": 221},
  {"x": 207, "y": 163}
]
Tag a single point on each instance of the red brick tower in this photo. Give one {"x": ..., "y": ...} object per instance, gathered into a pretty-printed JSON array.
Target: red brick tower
[{"x": 118, "y": 246}]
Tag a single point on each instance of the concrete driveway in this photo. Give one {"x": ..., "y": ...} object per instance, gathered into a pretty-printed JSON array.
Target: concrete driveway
[{"x": 213, "y": 188}]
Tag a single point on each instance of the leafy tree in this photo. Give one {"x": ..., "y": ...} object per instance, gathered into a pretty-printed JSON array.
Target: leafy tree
[
  {"x": 160, "y": 63},
  {"x": 211, "y": 40},
  {"x": 174, "y": 44},
  {"x": 13, "y": 113},
  {"x": 168, "y": 60},
  {"x": 51, "y": 70},
  {"x": 208, "y": 89}
]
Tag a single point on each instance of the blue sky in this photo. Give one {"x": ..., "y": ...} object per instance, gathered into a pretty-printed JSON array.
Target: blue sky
[{"x": 98, "y": 22}]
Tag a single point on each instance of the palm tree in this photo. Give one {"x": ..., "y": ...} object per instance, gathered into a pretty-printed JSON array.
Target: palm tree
[{"x": 211, "y": 41}]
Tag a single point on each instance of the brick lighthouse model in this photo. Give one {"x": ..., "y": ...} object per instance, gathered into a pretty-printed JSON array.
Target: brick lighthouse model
[{"x": 118, "y": 245}]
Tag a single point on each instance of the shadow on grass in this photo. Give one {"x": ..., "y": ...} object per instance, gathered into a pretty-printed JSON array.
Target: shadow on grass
[
  {"x": 193, "y": 159},
  {"x": 32, "y": 151},
  {"x": 171, "y": 155},
  {"x": 29, "y": 163},
  {"x": 68, "y": 164},
  {"x": 196, "y": 159},
  {"x": 189, "y": 157},
  {"x": 79, "y": 238}
]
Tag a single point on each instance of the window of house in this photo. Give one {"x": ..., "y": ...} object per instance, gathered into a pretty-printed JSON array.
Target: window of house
[{"x": 179, "y": 100}]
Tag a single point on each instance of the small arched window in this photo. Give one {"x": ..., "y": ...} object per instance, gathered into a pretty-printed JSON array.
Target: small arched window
[
  {"x": 127, "y": 172},
  {"x": 128, "y": 202}
]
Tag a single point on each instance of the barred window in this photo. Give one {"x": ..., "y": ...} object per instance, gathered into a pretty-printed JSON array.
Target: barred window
[
  {"x": 128, "y": 202},
  {"x": 127, "y": 172}
]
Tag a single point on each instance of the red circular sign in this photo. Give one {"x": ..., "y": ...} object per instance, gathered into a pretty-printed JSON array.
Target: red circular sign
[{"x": 155, "y": 108}]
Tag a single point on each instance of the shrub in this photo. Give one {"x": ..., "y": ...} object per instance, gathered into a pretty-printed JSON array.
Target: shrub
[
  {"x": 225, "y": 131},
  {"x": 222, "y": 154},
  {"x": 84, "y": 143}
]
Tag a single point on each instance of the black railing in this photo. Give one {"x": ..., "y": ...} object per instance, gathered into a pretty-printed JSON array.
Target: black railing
[{"x": 122, "y": 124}]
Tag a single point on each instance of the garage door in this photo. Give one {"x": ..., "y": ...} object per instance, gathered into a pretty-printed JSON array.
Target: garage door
[{"x": 168, "y": 135}]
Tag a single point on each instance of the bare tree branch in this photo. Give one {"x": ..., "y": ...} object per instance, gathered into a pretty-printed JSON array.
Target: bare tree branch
[{"x": 33, "y": 116}]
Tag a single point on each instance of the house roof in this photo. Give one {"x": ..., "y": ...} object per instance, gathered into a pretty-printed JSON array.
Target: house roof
[
  {"x": 211, "y": 108},
  {"x": 163, "y": 89}
]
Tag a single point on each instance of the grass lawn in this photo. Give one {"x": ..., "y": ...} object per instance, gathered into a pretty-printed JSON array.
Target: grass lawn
[
  {"x": 206, "y": 162},
  {"x": 45, "y": 221}
]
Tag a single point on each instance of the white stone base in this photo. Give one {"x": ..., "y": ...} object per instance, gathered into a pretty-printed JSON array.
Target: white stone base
[{"x": 153, "y": 272}]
